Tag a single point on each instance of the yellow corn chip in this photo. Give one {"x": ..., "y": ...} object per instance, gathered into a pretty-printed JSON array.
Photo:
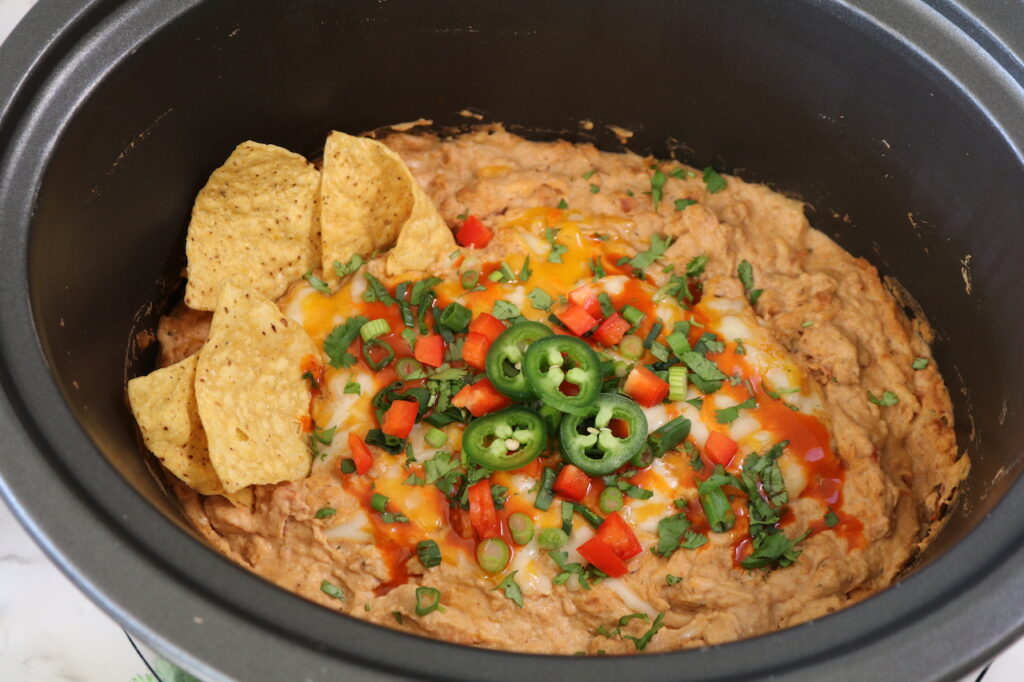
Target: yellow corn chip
[
  {"x": 164, "y": 405},
  {"x": 368, "y": 199},
  {"x": 251, "y": 395},
  {"x": 254, "y": 224}
]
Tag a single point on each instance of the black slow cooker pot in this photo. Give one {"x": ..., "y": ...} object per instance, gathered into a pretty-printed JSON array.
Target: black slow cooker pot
[{"x": 900, "y": 122}]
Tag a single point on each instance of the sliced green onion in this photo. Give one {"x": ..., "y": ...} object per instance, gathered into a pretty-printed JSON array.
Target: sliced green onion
[
  {"x": 521, "y": 527},
  {"x": 677, "y": 382},
  {"x": 376, "y": 365},
  {"x": 497, "y": 276},
  {"x": 621, "y": 368},
  {"x": 493, "y": 554},
  {"x": 470, "y": 278},
  {"x": 435, "y": 437},
  {"x": 456, "y": 317},
  {"x": 429, "y": 553},
  {"x": 379, "y": 503},
  {"x": 678, "y": 342},
  {"x": 653, "y": 334},
  {"x": 374, "y": 328},
  {"x": 332, "y": 590},
  {"x": 568, "y": 509},
  {"x": 552, "y": 538},
  {"x": 545, "y": 494},
  {"x": 409, "y": 368},
  {"x": 631, "y": 347},
  {"x": 716, "y": 507},
  {"x": 588, "y": 516},
  {"x": 610, "y": 500},
  {"x": 428, "y": 600},
  {"x": 633, "y": 315}
]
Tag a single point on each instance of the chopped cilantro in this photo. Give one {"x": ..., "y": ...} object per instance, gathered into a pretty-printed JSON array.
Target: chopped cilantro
[
  {"x": 746, "y": 275},
  {"x": 324, "y": 512},
  {"x": 317, "y": 283},
  {"x": 702, "y": 367},
  {"x": 682, "y": 204},
  {"x": 596, "y": 267},
  {"x": 511, "y": 588},
  {"x": 540, "y": 299},
  {"x": 645, "y": 259},
  {"x": 341, "y": 337},
  {"x": 713, "y": 181},
  {"x": 920, "y": 363},
  {"x": 670, "y": 533},
  {"x": 645, "y": 639},
  {"x": 594, "y": 189},
  {"x": 831, "y": 519},
  {"x": 730, "y": 414},
  {"x": 888, "y": 399},
  {"x": 353, "y": 264},
  {"x": 695, "y": 268},
  {"x": 550, "y": 234},
  {"x": 657, "y": 187},
  {"x": 503, "y": 310},
  {"x": 589, "y": 174},
  {"x": 353, "y": 387},
  {"x": 563, "y": 204},
  {"x": 525, "y": 271}
]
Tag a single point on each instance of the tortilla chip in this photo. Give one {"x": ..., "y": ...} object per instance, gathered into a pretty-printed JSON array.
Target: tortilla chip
[
  {"x": 368, "y": 199},
  {"x": 251, "y": 395},
  {"x": 254, "y": 224},
  {"x": 164, "y": 405}
]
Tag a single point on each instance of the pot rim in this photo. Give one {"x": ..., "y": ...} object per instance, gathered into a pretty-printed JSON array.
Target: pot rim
[{"x": 192, "y": 604}]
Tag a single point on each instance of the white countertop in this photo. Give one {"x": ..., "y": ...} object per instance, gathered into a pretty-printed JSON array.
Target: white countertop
[{"x": 50, "y": 631}]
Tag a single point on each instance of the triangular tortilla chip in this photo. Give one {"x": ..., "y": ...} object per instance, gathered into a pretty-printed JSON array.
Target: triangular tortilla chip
[
  {"x": 252, "y": 397},
  {"x": 164, "y": 405},
  {"x": 254, "y": 224},
  {"x": 368, "y": 199}
]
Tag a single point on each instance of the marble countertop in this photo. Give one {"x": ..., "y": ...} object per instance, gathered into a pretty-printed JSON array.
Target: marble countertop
[{"x": 49, "y": 631}]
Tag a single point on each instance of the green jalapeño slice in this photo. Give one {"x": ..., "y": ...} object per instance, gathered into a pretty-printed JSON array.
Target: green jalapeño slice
[
  {"x": 505, "y": 358},
  {"x": 564, "y": 372},
  {"x": 606, "y": 436},
  {"x": 505, "y": 440}
]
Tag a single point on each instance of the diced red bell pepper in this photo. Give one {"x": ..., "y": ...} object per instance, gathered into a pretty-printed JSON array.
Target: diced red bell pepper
[
  {"x": 597, "y": 552},
  {"x": 361, "y": 455},
  {"x": 430, "y": 350},
  {"x": 720, "y": 448},
  {"x": 473, "y": 233},
  {"x": 617, "y": 534},
  {"x": 482, "y": 513},
  {"x": 474, "y": 350},
  {"x": 585, "y": 298},
  {"x": 481, "y": 398},
  {"x": 612, "y": 330},
  {"x": 645, "y": 387},
  {"x": 488, "y": 325},
  {"x": 576, "y": 319},
  {"x": 572, "y": 483},
  {"x": 400, "y": 417}
]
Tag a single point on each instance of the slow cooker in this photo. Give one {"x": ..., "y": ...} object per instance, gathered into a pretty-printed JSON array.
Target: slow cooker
[{"x": 899, "y": 122}]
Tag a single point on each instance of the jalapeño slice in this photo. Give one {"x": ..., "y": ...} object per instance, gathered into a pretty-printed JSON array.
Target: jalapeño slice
[
  {"x": 606, "y": 436},
  {"x": 505, "y": 440},
  {"x": 505, "y": 358},
  {"x": 564, "y": 372}
]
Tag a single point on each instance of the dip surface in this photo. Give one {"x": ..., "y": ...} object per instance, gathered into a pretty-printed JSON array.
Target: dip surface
[{"x": 816, "y": 354}]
